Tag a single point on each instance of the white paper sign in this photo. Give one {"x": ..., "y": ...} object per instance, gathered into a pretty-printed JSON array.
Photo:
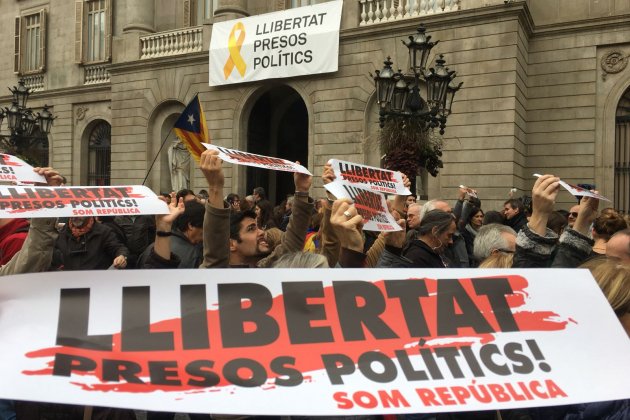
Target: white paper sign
[
  {"x": 370, "y": 177},
  {"x": 578, "y": 191},
  {"x": 295, "y": 42},
  {"x": 15, "y": 170},
  {"x": 30, "y": 202},
  {"x": 372, "y": 206},
  {"x": 258, "y": 161},
  {"x": 311, "y": 342}
]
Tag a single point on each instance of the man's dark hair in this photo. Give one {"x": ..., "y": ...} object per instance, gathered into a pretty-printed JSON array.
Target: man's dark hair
[
  {"x": 183, "y": 193},
  {"x": 515, "y": 203},
  {"x": 235, "y": 222},
  {"x": 262, "y": 194},
  {"x": 230, "y": 197},
  {"x": 492, "y": 216},
  {"x": 435, "y": 218},
  {"x": 193, "y": 214}
]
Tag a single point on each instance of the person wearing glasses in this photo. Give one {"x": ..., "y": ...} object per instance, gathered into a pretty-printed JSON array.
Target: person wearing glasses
[{"x": 572, "y": 215}]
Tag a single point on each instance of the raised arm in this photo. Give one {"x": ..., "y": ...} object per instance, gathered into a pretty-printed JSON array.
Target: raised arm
[{"x": 216, "y": 221}]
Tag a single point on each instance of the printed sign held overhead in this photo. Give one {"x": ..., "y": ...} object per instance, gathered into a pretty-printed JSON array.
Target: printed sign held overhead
[
  {"x": 15, "y": 170},
  {"x": 78, "y": 201},
  {"x": 316, "y": 342},
  {"x": 372, "y": 178},
  {"x": 579, "y": 191},
  {"x": 259, "y": 161},
  {"x": 295, "y": 42},
  {"x": 370, "y": 205}
]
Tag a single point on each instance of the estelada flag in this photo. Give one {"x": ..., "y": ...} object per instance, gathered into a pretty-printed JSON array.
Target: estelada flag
[{"x": 191, "y": 128}]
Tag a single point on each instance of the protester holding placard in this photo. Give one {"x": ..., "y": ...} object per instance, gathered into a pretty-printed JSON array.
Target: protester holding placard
[{"x": 238, "y": 241}]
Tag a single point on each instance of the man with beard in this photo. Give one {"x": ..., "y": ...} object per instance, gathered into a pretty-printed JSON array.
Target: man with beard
[{"x": 235, "y": 240}]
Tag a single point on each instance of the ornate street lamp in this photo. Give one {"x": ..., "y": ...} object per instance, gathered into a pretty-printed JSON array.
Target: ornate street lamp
[
  {"x": 407, "y": 117},
  {"x": 27, "y": 132},
  {"x": 390, "y": 87}
]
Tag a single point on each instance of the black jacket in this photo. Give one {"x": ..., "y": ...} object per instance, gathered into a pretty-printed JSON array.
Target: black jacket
[
  {"x": 96, "y": 250},
  {"x": 422, "y": 256}
]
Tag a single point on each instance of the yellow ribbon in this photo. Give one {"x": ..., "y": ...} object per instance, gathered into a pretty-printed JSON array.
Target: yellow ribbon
[{"x": 234, "y": 46}]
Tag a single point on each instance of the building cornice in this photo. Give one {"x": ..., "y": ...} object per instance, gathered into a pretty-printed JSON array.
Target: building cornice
[
  {"x": 170, "y": 61},
  {"x": 594, "y": 24},
  {"x": 64, "y": 92}
]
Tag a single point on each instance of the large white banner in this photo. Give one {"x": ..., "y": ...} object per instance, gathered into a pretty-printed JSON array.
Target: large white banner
[
  {"x": 295, "y": 42},
  {"x": 311, "y": 342}
]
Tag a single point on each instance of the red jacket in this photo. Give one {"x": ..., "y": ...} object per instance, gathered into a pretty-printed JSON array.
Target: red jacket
[{"x": 12, "y": 237}]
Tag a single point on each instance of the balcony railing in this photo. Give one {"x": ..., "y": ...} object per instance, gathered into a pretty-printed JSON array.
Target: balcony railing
[
  {"x": 381, "y": 11},
  {"x": 34, "y": 81},
  {"x": 164, "y": 44},
  {"x": 95, "y": 74}
]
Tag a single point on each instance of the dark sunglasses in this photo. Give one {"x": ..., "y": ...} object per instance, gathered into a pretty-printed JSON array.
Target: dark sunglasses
[{"x": 573, "y": 214}]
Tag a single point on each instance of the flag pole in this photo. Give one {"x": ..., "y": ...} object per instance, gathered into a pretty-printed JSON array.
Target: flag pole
[{"x": 156, "y": 156}]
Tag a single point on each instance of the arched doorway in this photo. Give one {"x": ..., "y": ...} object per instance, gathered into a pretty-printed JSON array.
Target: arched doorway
[
  {"x": 622, "y": 154},
  {"x": 99, "y": 155},
  {"x": 278, "y": 127}
]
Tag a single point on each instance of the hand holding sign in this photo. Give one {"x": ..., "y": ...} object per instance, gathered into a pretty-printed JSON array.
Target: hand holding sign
[
  {"x": 347, "y": 222},
  {"x": 211, "y": 166},
  {"x": 302, "y": 181},
  {"x": 544, "y": 196},
  {"x": 52, "y": 177},
  {"x": 586, "y": 215}
]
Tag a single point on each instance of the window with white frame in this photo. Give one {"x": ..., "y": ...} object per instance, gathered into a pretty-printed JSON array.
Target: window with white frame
[
  {"x": 93, "y": 31},
  {"x": 30, "y": 43}
]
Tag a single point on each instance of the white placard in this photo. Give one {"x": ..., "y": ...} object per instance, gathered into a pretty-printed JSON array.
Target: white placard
[
  {"x": 15, "y": 170},
  {"x": 22, "y": 201},
  {"x": 258, "y": 161},
  {"x": 578, "y": 191},
  {"x": 375, "y": 179},
  {"x": 295, "y": 42},
  {"x": 311, "y": 342},
  {"x": 372, "y": 206}
]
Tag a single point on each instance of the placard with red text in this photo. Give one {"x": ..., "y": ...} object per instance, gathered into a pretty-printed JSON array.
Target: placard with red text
[
  {"x": 371, "y": 205},
  {"x": 370, "y": 177},
  {"x": 311, "y": 342},
  {"x": 258, "y": 161},
  {"x": 15, "y": 170},
  {"x": 27, "y": 202}
]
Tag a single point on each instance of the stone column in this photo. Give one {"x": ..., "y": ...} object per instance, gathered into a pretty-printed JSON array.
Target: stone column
[
  {"x": 139, "y": 16},
  {"x": 230, "y": 9}
]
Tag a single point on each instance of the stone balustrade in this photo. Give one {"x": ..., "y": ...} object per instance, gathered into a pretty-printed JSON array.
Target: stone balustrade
[
  {"x": 95, "y": 74},
  {"x": 373, "y": 12},
  {"x": 34, "y": 81},
  {"x": 164, "y": 44}
]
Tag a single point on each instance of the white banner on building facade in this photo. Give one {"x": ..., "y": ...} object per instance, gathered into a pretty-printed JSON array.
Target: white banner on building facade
[
  {"x": 311, "y": 342},
  {"x": 295, "y": 42}
]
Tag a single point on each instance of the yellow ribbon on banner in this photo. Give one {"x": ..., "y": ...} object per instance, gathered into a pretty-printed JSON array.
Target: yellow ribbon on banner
[{"x": 234, "y": 46}]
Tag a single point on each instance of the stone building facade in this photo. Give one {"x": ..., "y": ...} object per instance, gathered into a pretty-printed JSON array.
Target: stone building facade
[{"x": 546, "y": 89}]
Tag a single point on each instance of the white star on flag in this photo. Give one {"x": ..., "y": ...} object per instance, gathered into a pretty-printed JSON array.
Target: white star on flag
[{"x": 191, "y": 119}]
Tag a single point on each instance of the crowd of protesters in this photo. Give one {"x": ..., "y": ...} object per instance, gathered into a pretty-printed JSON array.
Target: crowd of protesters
[{"x": 220, "y": 229}]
